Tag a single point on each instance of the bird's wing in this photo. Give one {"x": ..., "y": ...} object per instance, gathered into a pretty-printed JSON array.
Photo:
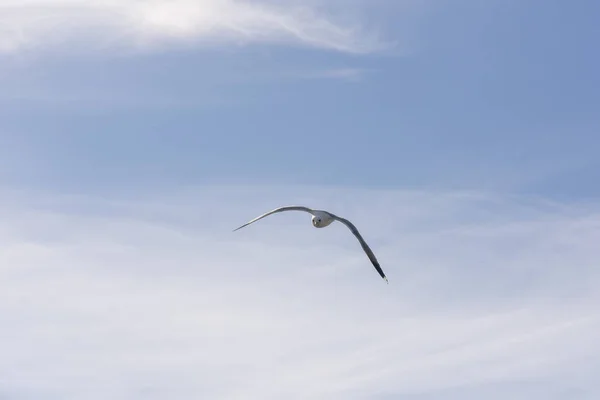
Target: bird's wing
[
  {"x": 364, "y": 245},
  {"x": 280, "y": 209}
]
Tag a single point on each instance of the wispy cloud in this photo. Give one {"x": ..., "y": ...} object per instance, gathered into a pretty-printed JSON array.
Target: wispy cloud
[
  {"x": 154, "y": 298},
  {"x": 145, "y": 25},
  {"x": 345, "y": 74}
]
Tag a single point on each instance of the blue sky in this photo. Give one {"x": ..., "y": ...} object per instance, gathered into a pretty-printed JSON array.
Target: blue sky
[
  {"x": 501, "y": 96},
  {"x": 461, "y": 138}
]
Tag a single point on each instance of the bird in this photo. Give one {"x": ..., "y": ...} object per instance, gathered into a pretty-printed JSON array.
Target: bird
[{"x": 322, "y": 219}]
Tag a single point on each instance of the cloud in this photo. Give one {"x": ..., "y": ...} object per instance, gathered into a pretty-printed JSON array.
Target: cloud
[
  {"x": 152, "y": 296},
  {"x": 147, "y": 25},
  {"x": 344, "y": 74}
]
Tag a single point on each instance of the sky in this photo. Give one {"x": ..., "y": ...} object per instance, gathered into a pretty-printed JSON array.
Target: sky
[{"x": 460, "y": 138}]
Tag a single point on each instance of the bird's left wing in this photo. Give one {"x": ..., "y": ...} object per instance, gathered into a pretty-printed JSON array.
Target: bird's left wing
[
  {"x": 280, "y": 209},
  {"x": 364, "y": 245}
]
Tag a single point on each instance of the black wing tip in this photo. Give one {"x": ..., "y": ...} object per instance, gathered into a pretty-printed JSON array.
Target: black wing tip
[
  {"x": 240, "y": 227},
  {"x": 380, "y": 271}
]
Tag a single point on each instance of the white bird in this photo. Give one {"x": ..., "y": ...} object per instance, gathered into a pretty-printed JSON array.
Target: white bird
[{"x": 321, "y": 219}]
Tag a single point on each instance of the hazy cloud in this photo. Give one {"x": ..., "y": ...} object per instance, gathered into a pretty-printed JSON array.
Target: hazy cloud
[
  {"x": 146, "y": 25},
  {"x": 345, "y": 74},
  {"x": 153, "y": 296}
]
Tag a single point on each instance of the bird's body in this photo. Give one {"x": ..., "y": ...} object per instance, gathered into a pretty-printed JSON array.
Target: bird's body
[{"x": 322, "y": 219}]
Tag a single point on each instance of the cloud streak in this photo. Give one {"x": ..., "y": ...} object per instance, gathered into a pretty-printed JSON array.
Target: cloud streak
[
  {"x": 157, "y": 24},
  {"x": 343, "y": 74},
  {"x": 153, "y": 296}
]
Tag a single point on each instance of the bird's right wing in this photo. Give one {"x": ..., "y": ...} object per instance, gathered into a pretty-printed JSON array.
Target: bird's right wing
[{"x": 280, "y": 209}]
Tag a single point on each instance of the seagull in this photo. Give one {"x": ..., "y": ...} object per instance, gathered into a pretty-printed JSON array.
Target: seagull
[{"x": 321, "y": 219}]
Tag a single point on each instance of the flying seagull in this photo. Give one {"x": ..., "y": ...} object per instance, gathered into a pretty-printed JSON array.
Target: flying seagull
[{"x": 321, "y": 219}]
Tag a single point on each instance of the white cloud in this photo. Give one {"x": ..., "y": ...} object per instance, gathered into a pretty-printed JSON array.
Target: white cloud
[
  {"x": 345, "y": 74},
  {"x": 155, "y": 297},
  {"x": 148, "y": 24}
]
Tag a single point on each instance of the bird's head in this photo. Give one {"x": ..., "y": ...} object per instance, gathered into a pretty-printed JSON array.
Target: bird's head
[{"x": 317, "y": 221}]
